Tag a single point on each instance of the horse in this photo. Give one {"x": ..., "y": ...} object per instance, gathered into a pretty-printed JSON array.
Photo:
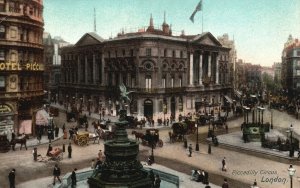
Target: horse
[
  {"x": 21, "y": 140},
  {"x": 138, "y": 135}
]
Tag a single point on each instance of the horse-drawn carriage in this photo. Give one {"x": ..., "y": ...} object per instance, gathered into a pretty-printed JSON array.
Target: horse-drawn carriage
[
  {"x": 179, "y": 130},
  {"x": 151, "y": 137},
  {"x": 83, "y": 138},
  {"x": 104, "y": 129}
]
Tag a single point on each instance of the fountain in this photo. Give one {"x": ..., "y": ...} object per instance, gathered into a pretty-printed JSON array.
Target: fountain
[{"x": 121, "y": 167}]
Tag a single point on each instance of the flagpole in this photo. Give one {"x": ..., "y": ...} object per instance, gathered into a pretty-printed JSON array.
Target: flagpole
[{"x": 202, "y": 16}]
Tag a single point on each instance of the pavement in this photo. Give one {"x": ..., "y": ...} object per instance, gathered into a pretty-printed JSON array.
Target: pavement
[
  {"x": 241, "y": 167},
  {"x": 184, "y": 179}
]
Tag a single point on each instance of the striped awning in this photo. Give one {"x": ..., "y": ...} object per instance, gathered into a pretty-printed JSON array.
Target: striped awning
[{"x": 228, "y": 99}]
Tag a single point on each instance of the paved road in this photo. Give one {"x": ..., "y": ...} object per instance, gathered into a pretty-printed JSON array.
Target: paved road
[{"x": 241, "y": 167}]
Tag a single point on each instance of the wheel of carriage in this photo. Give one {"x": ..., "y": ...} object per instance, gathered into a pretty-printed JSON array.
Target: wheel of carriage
[
  {"x": 160, "y": 143},
  {"x": 82, "y": 141}
]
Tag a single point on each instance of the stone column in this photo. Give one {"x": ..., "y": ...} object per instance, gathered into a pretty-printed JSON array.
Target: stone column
[
  {"x": 86, "y": 69},
  {"x": 78, "y": 70},
  {"x": 200, "y": 69},
  {"x": 191, "y": 68},
  {"x": 102, "y": 64},
  {"x": 217, "y": 68},
  {"x": 94, "y": 69},
  {"x": 209, "y": 65}
]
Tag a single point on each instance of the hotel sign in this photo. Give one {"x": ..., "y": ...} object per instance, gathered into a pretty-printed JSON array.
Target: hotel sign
[
  {"x": 9, "y": 66},
  {"x": 5, "y": 109}
]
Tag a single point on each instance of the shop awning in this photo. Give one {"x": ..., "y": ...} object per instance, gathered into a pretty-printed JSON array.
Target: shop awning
[
  {"x": 42, "y": 117},
  {"x": 228, "y": 99}
]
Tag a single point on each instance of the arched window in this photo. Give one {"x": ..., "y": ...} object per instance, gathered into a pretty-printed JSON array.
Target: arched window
[{"x": 148, "y": 82}]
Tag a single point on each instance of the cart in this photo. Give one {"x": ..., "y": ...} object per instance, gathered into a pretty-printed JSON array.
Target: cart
[
  {"x": 81, "y": 138},
  {"x": 56, "y": 154}
]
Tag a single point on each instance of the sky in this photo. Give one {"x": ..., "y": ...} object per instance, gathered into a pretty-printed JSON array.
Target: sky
[{"x": 259, "y": 27}]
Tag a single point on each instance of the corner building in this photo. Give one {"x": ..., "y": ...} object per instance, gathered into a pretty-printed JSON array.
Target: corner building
[
  {"x": 21, "y": 64},
  {"x": 170, "y": 75}
]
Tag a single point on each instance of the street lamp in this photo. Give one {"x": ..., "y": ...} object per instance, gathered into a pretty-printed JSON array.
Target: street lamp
[
  {"x": 291, "y": 171},
  {"x": 99, "y": 109},
  {"x": 196, "y": 125},
  {"x": 291, "y": 142}
]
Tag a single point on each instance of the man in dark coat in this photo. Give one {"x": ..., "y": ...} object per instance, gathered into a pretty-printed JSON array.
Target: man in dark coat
[
  {"x": 152, "y": 177},
  {"x": 11, "y": 178},
  {"x": 70, "y": 150},
  {"x": 225, "y": 184},
  {"x": 56, "y": 174},
  {"x": 190, "y": 150},
  {"x": 49, "y": 149},
  {"x": 73, "y": 178},
  {"x": 56, "y": 129},
  {"x": 157, "y": 181},
  {"x": 224, "y": 165}
]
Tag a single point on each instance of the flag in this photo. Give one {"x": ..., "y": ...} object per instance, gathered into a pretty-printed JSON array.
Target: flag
[{"x": 198, "y": 8}]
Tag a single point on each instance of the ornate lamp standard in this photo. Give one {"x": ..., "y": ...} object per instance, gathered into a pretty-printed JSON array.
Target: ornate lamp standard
[
  {"x": 197, "y": 142},
  {"x": 291, "y": 171},
  {"x": 291, "y": 142},
  {"x": 99, "y": 109}
]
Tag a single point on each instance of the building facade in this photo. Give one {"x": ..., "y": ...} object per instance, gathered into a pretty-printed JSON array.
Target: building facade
[
  {"x": 277, "y": 72},
  {"x": 21, "y": 64},
  {"x": 170, "y": 75},
  {"x": 291, "y": 67},
  {"x": 52, "y": 59}
]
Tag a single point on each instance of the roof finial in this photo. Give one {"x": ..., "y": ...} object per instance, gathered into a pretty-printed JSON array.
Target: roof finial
[
  {"x": 151, "y": 20},
  {"x": 95, "y": 29},
  {"x": 164, "y": 17}
]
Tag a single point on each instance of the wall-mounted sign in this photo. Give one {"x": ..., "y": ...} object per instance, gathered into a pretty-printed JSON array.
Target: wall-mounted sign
[
  {"x": 5, "y": 109},
  {"x": 9, "y": 66}
]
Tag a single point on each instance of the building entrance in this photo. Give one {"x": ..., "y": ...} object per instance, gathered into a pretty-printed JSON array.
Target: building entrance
[
  {"x": 148, "y": 108},
  {"x": 173, "y": 107}
]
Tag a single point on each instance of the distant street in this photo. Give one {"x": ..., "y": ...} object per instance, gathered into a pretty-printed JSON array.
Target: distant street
[{"x": 238, "y": 163}]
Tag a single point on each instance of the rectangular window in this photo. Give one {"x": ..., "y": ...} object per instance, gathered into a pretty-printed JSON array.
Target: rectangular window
[
  {"x": 173, "y": 53},
  {"x": 298, "y": 53},
  {"x": 148, "y": 82},
  {"x": 2, "y": 82},
  {"x": 131, "y": 52},
  {"x": 164, "y": 82},
  {"x": 2, "y": 55},
  {"x": 298, "y": 63},
  {"x": 148, "y": 52},
  {"x": 298, "y": 72},
  {"x": 172, "y": 82},
  {"x": 181, "y": 54},
  {"x": 165, "y": 52}
]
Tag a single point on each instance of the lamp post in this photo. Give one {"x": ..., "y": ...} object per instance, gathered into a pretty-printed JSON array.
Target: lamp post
[
  {"x": 291, "y": 171},
  {"x": 99, "y": 109},
  {"x": 197, "y": 142},
  {"x": 90, "y": 101},
  {"x": 165, "y": 111},
  {"x": 109, "y": 106},
  {"x": 291, "y": 142}
]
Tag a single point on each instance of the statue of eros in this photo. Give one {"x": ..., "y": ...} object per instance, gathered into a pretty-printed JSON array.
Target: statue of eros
[{"x": 124, "y": 96}]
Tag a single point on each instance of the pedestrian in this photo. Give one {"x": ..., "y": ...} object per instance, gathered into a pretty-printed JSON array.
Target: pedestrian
[
  {"x": 56, "y": 174},
  {"x": 157, "y": 181},
  {"x": 224, "y": 168},
  {"x": 98, "y": 163},
  {"x": 93, "y": 164},
  {"x": 226, "y": 128},
  {"x": 100, "y": 155},
  {"x": 207, "y": 186},
  {"x": 73, "y": 178},
  {"x": 11, "y": 178},
  {"x": 56, "y": 129},
  {"x": 64, "y": 127},
  {"x": 190, "y": 150},
  {"x": 254, "y": 184},
  {"x": 71, "y": 132},
  {"x": 225, "y": 184},
  {"x": 152, "y": 177},
  {"x": 49, "y": 150},
  {"x": 70, "y": 150},
  {"x": 86, "y": 126},
  {"x": 168, "y": 121},
  {"x": 34, "y": 153}
]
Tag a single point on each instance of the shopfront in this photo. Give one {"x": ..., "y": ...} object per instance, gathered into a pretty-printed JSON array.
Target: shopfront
[{"x": 6, "y": 119}]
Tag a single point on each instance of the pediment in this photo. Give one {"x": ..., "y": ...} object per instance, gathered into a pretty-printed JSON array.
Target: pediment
[
  {"x": 89, "y": 39},
  {"x": 207, "y": 39}
]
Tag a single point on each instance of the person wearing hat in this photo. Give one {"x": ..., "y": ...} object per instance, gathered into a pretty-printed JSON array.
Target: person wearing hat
[
  {"x": 11, "y": 178},
  {"x": 73, "y": 178}
]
